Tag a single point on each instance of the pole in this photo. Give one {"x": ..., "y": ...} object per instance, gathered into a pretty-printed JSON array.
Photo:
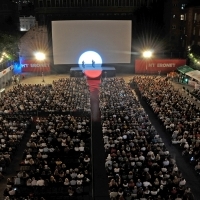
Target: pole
[
  {"x": 146, "y": 65},
  {"x": 43, "y": 77}
]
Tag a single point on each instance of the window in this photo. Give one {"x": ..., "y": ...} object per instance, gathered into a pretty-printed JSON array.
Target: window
[
  {"x": 57, "y": 3},
  {"x": 173, "y": 26},
  {"x": 40, "y": 3},
  {"x": 174, "y": 16},
  {"x": 48, "y": 3},
  {"x": 182, "y": 17},
  {"x": 72, "y": 3},
  {"x": 64, "y": 3},
  {"x": 183, "y": 43},
  {"x": 194, "y": 31},
  {"x": 195, "y": 16},
  {"x": 198, "y": 18},
  {"x": 182, "y": 6}
]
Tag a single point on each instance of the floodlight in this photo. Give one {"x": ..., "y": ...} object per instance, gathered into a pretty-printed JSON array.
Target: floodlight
[
  {"x": 147, "y": 54},
  {"x": 40, "y": 56}
]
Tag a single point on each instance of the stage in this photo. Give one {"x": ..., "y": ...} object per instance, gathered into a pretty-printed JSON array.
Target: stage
[{"x": 106, "y": 72}]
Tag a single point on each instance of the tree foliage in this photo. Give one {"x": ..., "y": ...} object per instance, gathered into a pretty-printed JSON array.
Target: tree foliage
[
  {"x": 194, "y": 56},
  {"x": 9, "y": 44},
  {"x": 195, "y": 50}
]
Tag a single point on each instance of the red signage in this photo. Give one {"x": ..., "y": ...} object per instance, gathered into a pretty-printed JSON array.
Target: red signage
[
  {"x": 35, "y": 66},
  {"x": 157, "y": 66}
]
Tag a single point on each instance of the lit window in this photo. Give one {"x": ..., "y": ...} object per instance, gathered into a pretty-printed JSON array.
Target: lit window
[
  {"x": 195, "y": 16},
  {"x": 174, "y": 16},
  {"x": 182, "y": 6},
  {"x": 182, "y": 17}
]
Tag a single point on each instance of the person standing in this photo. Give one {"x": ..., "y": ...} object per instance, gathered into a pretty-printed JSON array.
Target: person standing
[{"x": 93, "y": 63}]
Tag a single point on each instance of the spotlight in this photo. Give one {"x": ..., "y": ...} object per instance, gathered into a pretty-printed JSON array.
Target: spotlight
[
  {"x": 40, "y": 56},
  {"x": 147, "y": 54}
]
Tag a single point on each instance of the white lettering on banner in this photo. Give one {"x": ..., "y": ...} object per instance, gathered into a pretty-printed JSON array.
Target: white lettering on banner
[
  {"x": 166, "y": 65},
  {"x": 24, "y": 65},
  {"x": 40, "y": 65},
  {"x": 151, "y": 65}
]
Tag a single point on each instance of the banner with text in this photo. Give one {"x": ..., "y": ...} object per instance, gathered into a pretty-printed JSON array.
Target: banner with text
[
  {"x": 157, "y": 66},
  {"x": 5, "y": 71},
  {"x": 35, "y": 66}
]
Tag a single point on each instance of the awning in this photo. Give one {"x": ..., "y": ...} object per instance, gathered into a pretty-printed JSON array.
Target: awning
[
  {"x": 195, "y": 74},
  {"x": 184, "y": 69}
]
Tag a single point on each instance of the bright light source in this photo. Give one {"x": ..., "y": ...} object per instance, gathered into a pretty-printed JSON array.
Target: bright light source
[
  {"x": 40, "y": 56},
  {"x": 88, "y": 56},
  {"x": 23, "y": 29},
  {"x": 147, "y": 54}
]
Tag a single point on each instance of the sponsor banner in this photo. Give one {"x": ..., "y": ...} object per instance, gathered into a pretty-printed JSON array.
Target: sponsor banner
[
  {"x": 35, "y": 66},
  {"x": 5, "y": 71},
  {"x": 157, "y": 66}
]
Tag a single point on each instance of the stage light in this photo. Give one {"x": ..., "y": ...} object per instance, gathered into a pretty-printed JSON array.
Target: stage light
[
  {"x": 40, "y": 56},
  {"x": 88, "y": 56},
  {"x": 147, "y": 54}
]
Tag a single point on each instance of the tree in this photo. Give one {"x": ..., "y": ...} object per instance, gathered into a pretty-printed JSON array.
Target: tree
[
  {"x": 9, "y": 45},
  {"x": 194, "y": 57}
]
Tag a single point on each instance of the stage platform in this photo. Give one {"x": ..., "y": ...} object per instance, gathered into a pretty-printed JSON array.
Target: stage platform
[{"x": 106, "y": 72}]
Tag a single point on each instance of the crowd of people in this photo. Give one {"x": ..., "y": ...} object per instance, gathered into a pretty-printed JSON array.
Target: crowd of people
[
  {"x": 137, "y": 162},
  {"x": 12, "y": 131},
  {"x": 57, "y": 156},
  {"x": 195, "y": 93},
  {"x": 178, "y": 114},
  {"x": 64, "y": 95}
]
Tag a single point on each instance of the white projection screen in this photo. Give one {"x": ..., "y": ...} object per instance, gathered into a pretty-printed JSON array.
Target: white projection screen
[{"x": 111, "y": 39}]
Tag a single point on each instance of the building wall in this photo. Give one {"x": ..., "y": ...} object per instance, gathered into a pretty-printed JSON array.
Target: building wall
[
  {"x": 91, "y": 3},
  {"x": 34, "y": 40},
  {"x": 26, "y": 23},
  {"x": 193, "y": 26},
  {"x": 175, "y": 22},
  {"x": 9, "y": 18}
]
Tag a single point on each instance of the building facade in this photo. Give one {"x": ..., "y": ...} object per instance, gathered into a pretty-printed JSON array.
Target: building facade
[
  {"x": 9, "y": 18},
  {"x": 26, "y": 23},
  {"x": 192, "y": 26},
  {"x": 91, "y": 9},
  {"x": 175, "y": 26}
]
